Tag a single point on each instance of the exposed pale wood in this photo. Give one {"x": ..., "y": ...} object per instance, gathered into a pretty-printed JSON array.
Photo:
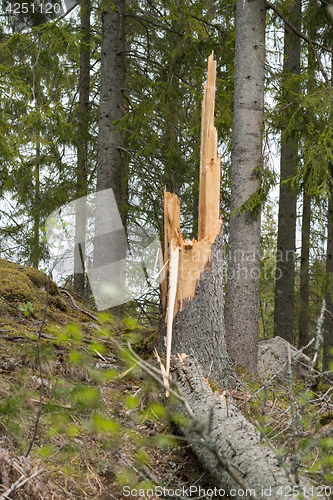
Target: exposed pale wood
[
  {"x": 163, "y": 372},
  {"x": 173, "y": 278},
  {"x": 210, "y": 162},
  {"x": 171, "y": 209}
]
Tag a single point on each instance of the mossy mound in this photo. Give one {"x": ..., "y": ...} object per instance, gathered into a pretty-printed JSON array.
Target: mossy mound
[
  {"x": 19, "y": 284},
  {"x": 23, "y": 297},
  {"x": 39, "y": 279}
]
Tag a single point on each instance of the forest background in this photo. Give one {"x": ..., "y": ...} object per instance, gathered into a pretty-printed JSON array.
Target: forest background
[{"x": 49, "y": 142}]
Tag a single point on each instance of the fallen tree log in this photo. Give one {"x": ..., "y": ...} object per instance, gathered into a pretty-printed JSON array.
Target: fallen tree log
[{"x": 236, "y": 441}]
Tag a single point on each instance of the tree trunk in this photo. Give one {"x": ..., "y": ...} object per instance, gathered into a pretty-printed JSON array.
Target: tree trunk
[
  {"x": 242, "y": 293},
  {"x": 193, "y": 306},
  {"x": 110, "y": 243},
  {"x": 285, "y": 265},
  {"x": 82, "y": 150},
  {"x": 35, "y": 247},
  {"x": 328, "y": 321},
  {"x": 236, "y": 440},
  {"x": 303, "y": 339},
  {"x": 109, "y": 171}
]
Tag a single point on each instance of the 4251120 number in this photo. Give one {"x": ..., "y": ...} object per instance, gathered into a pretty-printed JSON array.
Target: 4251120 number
[{"x": 31, "y": 8}]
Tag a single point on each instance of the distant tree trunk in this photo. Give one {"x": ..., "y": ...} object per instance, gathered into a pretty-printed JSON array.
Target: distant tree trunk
[
  {"x": 328, "y": 321},
  {"x": 110, "y": 245},
  {"x": 303, "y": 339},
  {"x": 109, "y": 171},
  {"x": 82, "y": 149},
  {"x": 285, "y": 265},
  {"x": 328, "y": 318},
  {"x": 35, "y": 247},
  {"x": 242, "y": 294}
]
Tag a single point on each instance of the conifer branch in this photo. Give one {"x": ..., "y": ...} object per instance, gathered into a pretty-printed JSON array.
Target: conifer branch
[
  {"x": 154, "y": 61},
  {"x": 304, "y": 37},
  {"x": 295, "y": 30},
  {"x": 154, "y": 23}
]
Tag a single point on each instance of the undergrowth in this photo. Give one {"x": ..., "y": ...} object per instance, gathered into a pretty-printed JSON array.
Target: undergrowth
[{"x": 103, "y": 423}]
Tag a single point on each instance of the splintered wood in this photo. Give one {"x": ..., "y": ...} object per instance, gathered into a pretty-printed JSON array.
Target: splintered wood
[
  {"x": 188, "y": 259},
  {"x": 210, "y": 163},
  {"x": 195, "y": 256}
]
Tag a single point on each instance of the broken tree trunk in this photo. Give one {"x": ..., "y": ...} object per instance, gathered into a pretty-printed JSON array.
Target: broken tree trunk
[
  {"x": 193, "y": 328},
  {"x": 236, "y": 441},
  {"x": 192, "y": 292}
]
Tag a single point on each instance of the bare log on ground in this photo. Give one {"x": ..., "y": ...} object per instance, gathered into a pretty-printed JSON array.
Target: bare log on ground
[{"x": 236, "y": 440}]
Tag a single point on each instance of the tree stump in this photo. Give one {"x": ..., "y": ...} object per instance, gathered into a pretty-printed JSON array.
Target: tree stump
[{"x": 192, "y": 291}]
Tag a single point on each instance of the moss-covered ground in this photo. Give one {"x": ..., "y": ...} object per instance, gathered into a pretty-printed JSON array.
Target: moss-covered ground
[{"x": 94, "y": 432}]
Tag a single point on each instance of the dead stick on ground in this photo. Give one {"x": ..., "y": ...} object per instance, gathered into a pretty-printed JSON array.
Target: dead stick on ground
[
  {"x": 62, "y": 290},
  {"x": 19, "y": 483}
]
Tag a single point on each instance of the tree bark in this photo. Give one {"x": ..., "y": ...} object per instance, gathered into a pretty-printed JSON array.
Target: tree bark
[
  {"x": 328, "y": 318},
  {"x": 35, "y": 247},
  {"x": 198, "y": 329},
  {"x": 285, "y": 265},
  {"x": 236, "y": 440},
  {"x": 303, "y": 339},
  {"x": 82, "y": 150},
  {"x": 242, "y": 293},
  {"x": 110, "y": 243},
  {"x": 109, "y": 171}
]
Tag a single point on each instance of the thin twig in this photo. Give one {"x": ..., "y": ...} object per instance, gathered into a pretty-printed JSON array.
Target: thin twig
[
  {"x": 40, "y": 408},
  {"x": 295, "y": 30},
  {"x": 304, "y": 37},
  {"x": 294, "y": 419},
  {"x": 139, "y": 473}
]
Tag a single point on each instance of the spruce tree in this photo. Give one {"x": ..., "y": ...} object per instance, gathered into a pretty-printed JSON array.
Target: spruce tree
[
  {"x": 242, "y": 294},
  {"x": 285, "y": 264}
]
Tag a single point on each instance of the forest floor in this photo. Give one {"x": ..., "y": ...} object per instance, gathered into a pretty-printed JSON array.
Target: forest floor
[
  {"x": 103, "y": 425},
  {"x": 87, "y": 443}
]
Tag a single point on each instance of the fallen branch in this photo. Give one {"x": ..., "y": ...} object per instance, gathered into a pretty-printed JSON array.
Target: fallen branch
[
  {"x": 83, "y": 311},
  {"x": 19, "y": 483}
]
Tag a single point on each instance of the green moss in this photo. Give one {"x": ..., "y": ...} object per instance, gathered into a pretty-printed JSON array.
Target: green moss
[
  {"x": 59, "y": 303},
  {"x": 39, "y": 279},
  {"x": 16, "y": 288}
]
